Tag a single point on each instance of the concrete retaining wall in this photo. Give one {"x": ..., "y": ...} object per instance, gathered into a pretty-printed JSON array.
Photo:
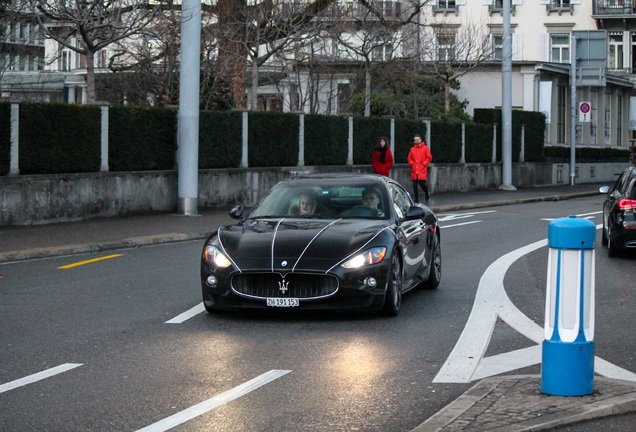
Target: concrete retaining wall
[{"x": 39, "y": 199}]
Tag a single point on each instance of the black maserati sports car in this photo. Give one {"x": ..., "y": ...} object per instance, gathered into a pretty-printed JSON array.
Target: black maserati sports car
[{"x": 323, "y": 241}]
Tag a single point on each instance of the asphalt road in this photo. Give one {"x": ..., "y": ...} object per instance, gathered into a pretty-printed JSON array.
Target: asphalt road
[{"x": 110, "y": 360}]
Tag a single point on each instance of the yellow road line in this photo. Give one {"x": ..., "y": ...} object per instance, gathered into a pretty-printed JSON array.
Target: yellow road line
[{"x": 77, "y": 264}]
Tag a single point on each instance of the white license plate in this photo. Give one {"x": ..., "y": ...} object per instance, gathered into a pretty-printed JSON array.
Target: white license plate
[{"x": 283, "y": 302}]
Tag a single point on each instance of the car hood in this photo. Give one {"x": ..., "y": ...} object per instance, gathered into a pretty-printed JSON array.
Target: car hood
[{"x": 297, "y": 244}]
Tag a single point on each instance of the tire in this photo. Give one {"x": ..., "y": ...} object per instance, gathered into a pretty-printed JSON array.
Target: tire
[
  {"x": 393, "y": 298},
  {"x": 604, "y": 240},
  {"x": 612, "y": 252},
  {"x": 435, "y": 272}
]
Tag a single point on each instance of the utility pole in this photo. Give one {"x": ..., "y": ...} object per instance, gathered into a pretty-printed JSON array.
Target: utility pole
[
  {"x": 189, "y": 76},
  {"x": 574, "y": 109},
  {"x": 506, "y": 102}
]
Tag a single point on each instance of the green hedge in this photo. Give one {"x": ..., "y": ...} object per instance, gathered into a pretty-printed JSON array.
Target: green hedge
[
  {"x": 141, "y": 139},
  {"x": 534, "y": 129},
  {"x": 62, "y": 138},
  {"x": 586, "y": 154},
  {"x": 59, "y": 138},
  {"x": 326, "y": 140},
  {"x": 220, "y": 139},
  {"x": 273, "y": 139}
]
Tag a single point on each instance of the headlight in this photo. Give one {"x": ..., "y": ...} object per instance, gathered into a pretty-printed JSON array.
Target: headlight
[
  {"x": 371, "y": 256},
  {"x": 213, "y": 255}
]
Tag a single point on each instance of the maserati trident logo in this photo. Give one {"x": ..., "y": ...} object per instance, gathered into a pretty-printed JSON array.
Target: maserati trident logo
[{"x": 283, "y": 286}]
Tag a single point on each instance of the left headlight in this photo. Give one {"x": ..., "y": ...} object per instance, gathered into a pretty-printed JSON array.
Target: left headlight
[
  {"x": 213, "y": 255},
  {"x": 371, "y": 256}
]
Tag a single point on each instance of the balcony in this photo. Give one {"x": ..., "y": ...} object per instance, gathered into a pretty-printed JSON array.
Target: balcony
[
  {"x": 559, "y": 6},
  {"x": 614, "y": 8},
  {"x": 445, "y": 7}
]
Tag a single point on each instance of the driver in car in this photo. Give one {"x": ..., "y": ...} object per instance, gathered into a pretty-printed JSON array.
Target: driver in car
[{"x": 371, "y": 199}]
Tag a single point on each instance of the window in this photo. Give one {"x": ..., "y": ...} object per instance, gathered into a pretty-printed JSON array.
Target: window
[
  {"x": 615, "y": 54},
  {"x": 561, "y": 114},
  {"x": 64, "y": 61},
  {"x": 496, "y": 45},
  {"x": 560, "y": 48},
  {"x": 619, "y": 123},
  {"x": 445, "y": 6},
  {"x": 382, "y": 50},
  {"x": 560, "y": 4},
  {"x": 445, "y": 46}
]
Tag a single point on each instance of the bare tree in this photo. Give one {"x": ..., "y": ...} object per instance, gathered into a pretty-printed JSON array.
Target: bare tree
[
  {"x": 454, "y": 51},
  {"x": 235, "y": 43},
  {"x": 94, "y": 24}
]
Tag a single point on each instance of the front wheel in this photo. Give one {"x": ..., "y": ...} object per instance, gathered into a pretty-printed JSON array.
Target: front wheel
[
  {"x": 393, "y": 297},
  {"x": 435, "y": 271}
]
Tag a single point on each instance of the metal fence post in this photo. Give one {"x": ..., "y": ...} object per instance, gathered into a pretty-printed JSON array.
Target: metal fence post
[
  {"x": 104, "y": 137},
  {"x": 494, "y": 143},
  {"x": 14, "y": 164},
  {"x": 301, "y": 139},
  {"x": 462, "y": 158},
  {"x": 244, "y": 163},
  {"x": 350, "y": 149}
]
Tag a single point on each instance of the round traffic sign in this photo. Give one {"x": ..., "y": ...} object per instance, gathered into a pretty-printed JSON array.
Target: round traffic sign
[{"x": 585, "y": 107}]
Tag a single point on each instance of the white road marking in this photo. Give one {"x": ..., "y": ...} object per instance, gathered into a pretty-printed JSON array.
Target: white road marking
[
  {"x": 38, "y": 376},
  {"x": 466, "y": 362},
  {"x": 215, "y": 402},
  {"x": 179, "y": 319},
  {"x": 461, "y": 224},
  {"x": 454, "y": 216},
  {"x": 582, "y": 215}
]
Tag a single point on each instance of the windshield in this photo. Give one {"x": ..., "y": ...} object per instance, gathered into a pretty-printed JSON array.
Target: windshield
[{"x": 304, "y": 200}]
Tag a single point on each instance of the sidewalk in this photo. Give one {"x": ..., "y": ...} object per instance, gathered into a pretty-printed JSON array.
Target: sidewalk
[{"x": 506, "y": 403}]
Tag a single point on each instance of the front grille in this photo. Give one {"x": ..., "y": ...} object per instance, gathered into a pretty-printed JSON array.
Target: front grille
[{"x": 295, "y": 285}]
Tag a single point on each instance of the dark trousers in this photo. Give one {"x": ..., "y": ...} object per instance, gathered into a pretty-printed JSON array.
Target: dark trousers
[{"x": 416, "y": 191}]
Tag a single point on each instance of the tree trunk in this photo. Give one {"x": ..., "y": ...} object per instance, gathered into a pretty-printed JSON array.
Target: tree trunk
[
  {"x": 90, "y": 77},
  {"x": 367, "y": 90},
  {"x": 233, "y": 48},
  {"x": 254, "y": 95},
  {"x": 447, "y": 97}
]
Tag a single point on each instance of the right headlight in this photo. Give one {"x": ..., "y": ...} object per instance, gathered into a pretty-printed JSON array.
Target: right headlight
[
  {"x": 368, "y": 257},
  {"x": 213, "y": 255}
]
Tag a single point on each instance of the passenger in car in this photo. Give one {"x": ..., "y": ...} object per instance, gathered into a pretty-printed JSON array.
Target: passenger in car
[
  {"x": 306, "y": 205},
  {"x": 371, "y": 199}
]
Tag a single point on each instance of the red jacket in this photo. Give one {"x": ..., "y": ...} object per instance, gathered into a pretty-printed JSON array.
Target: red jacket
[
  {"x": 382, "y": 167},
  {"x": 419, "y": 158}
]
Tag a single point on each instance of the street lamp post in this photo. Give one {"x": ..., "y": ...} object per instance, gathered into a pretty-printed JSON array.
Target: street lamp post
[{"x": 506, "y": 102}]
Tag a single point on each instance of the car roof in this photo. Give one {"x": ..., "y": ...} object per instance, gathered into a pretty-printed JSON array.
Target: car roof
[{"x": 338, "y": 178}]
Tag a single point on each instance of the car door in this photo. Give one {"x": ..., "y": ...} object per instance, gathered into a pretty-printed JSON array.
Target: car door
[{"x": 412, "y": 235}]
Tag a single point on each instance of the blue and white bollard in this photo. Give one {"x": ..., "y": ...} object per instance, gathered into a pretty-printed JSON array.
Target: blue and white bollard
[{"x": 568, "y": 349}]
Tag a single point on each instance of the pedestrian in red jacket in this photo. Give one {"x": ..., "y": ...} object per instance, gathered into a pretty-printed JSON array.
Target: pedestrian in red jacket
[
  {"x": 382, "y": 158},
  {"x": 419, "y": 158}
]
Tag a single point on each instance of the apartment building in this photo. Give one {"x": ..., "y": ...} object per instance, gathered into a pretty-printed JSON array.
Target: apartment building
[{"x": 541, "y": 33}]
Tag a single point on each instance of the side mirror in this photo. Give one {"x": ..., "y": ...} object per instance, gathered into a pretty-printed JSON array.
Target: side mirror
[
  {"x": 415, "y": 212},
  {"x": 236, "y": 212},
  {"x": 603, "y": 189}
]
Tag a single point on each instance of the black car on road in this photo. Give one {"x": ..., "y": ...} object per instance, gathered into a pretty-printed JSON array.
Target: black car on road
[
  {"x": 619, "y": 219},
  {"x": 323, "y": 242}
]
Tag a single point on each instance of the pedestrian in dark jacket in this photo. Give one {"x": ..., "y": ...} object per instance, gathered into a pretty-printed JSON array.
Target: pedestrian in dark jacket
[
  {"x": 382, "y": 158},
  {"x": 419, "y": 158}
]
